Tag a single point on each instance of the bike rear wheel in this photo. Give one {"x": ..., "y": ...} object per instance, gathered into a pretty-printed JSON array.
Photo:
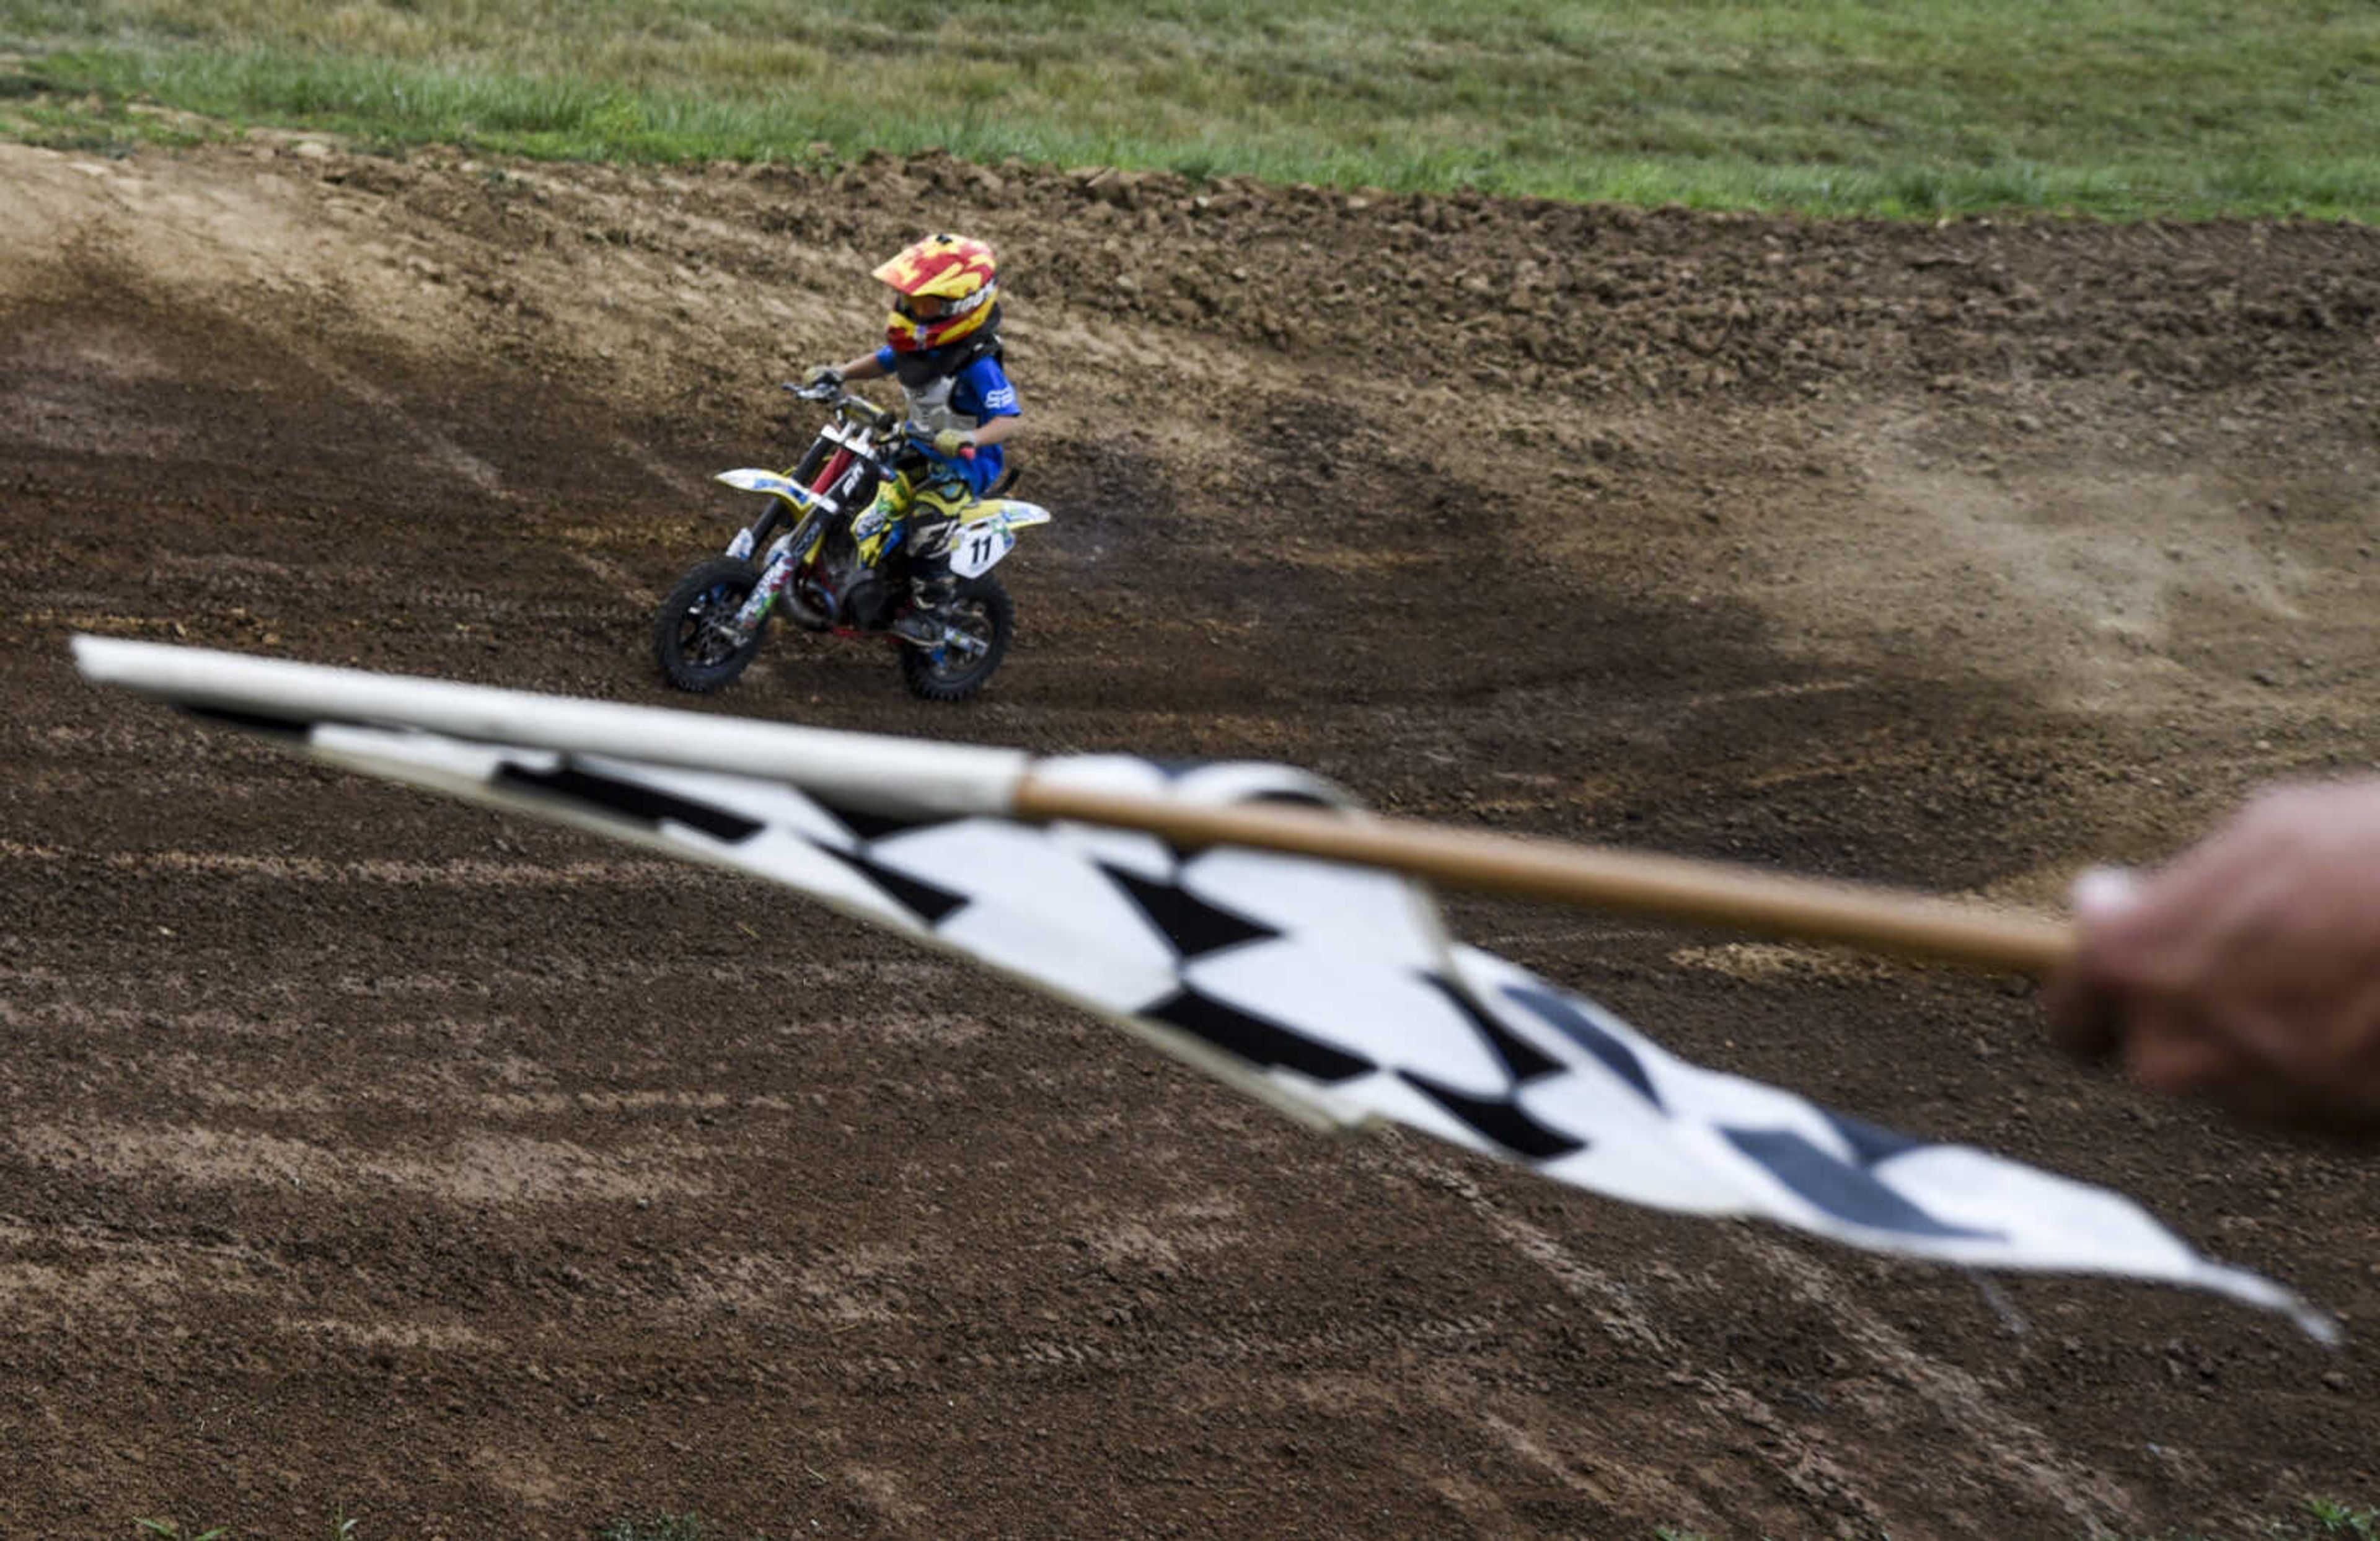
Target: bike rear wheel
[
  {"x": 985, "y": 618},
  {"x": 692, "y": 641}
]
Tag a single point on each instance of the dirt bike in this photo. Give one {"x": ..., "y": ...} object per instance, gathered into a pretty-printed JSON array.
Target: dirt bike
[{"x": 842, "y": 568}]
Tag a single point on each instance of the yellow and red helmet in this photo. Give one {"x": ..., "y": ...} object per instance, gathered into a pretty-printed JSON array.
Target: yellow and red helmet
[{"x": 943, "y": 289}]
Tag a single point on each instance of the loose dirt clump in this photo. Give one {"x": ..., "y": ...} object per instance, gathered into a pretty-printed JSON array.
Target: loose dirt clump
[{"x": 478, "y": 1179}]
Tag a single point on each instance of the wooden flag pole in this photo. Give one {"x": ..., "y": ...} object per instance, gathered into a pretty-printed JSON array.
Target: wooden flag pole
[
  {"x": 1714, "y": 893},
  {"x": 956, "y": 778}
]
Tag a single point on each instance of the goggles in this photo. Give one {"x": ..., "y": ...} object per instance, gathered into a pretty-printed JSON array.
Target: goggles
[{"x": 934, "y": 308}]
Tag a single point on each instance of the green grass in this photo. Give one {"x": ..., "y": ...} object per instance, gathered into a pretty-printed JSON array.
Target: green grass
[
  {"x": 662, "y": 1527},
  {"x": 169, "y": 1530},
  {"x": 1921, "y": 107},
  {"x": 2328, "y": 1520}
]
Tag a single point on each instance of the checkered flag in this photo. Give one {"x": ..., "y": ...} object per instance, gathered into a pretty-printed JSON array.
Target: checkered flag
[{"x": 1328, "y": 989}]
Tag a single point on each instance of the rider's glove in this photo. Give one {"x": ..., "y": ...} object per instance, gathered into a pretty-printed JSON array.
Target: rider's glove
[
  {"x": 825, "y": 375},
  {"x": 950, "y": 440}
]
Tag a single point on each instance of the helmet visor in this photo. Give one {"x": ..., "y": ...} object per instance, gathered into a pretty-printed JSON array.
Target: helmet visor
[{"x": 921, "y": 307}]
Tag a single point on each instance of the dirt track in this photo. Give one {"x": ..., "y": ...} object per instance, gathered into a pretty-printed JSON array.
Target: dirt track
[{"x": 364, "y": 1150}]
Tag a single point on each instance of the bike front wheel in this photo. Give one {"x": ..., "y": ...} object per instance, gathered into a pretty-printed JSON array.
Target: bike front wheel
[{"x": 694, "y": 637}]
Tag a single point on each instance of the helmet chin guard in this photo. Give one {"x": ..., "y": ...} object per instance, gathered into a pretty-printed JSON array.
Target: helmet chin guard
[{"x": 918, "y": 367}]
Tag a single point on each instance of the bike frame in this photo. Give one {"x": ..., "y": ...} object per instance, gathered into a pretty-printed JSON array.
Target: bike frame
[{"x": 849, "y": 445}]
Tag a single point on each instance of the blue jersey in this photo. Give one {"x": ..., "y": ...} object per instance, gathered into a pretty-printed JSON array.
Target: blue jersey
[{"x": 969, "y": 398}]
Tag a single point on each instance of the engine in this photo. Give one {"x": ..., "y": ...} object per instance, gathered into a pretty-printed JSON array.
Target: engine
[{"x": 869, "y": 604}]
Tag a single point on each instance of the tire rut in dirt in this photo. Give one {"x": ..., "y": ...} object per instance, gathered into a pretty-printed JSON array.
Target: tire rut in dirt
[{"x": 503, "y": 1180}]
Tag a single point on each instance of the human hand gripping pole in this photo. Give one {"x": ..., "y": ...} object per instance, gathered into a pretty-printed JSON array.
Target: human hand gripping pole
[{"x": 2246, "y": 970}]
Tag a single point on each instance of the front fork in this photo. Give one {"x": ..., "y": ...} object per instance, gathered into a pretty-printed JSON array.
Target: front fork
[
  {"x": 773, "y": 578},
  {"x": 776, "y": 573}
]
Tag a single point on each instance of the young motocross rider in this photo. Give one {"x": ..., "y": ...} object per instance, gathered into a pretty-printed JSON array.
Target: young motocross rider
[{"x": 941, "y": 342}]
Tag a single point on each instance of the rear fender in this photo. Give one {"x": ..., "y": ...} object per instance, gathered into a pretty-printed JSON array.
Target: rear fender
[{"x": 1012, "y": 512}]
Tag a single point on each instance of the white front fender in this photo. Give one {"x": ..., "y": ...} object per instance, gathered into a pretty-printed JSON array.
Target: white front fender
[{"x": 752, "y": 480}]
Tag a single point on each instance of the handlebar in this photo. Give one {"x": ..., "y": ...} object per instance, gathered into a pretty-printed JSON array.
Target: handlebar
[
  {"x": 836, "y": 395},
  {"x": 840, "y": 398},
  {"x": 918, "y": 435}
]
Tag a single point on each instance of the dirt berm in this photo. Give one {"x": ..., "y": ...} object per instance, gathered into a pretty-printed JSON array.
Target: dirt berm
[{"x": 362, "y": 1154}]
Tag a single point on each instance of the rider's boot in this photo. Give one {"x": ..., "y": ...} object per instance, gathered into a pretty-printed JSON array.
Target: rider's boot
[
  {"x": 922, "y": 621},
  {"x": 930, "y": 587},
  {"x": 918, "y": 625}
]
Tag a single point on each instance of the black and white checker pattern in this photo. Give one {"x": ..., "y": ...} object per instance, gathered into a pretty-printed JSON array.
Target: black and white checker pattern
[{"x": 1332, "y": 992}]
